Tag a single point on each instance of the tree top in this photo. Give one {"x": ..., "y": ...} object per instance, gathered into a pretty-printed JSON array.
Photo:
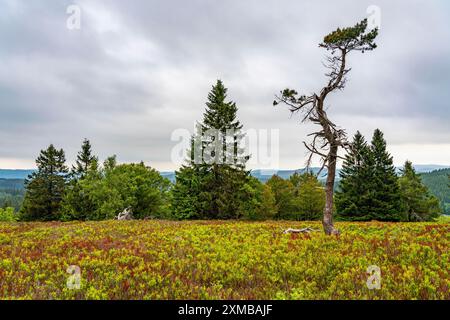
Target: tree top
[{"x": 351, "y": 38}]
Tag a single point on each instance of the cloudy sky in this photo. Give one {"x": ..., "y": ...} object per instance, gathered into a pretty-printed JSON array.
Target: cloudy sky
[{"x": 136, "y": 71}]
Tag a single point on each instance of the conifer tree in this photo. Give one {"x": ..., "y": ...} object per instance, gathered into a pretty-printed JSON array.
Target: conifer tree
[
  {"x": 354, "y": 195},
  {"x": 85, "y": 158},
  {"x": 45, "y": 187},
  {"x": 76, "y": 204},
  {"x": 189, "y": 196},
  {"x": 211, "y": 184},
  {"x": 385, "y": 191},
  {"x": 418, "y": 203}
]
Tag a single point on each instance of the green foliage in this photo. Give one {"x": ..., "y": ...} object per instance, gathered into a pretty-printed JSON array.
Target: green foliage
[
  {"x": 85, "y": 158},
  {"x": 225, "y": 186},
  {"x": 309, "y": 199},
  {"x": 386, "y": 205},
  {"x": 443, "y": 219},
  {"x": 438, "y": 182},
  {"x": 352, "y": 38},
  {"x": 187, "y": 194},
  {"x": 12, "y": 192},
  {"x": 354, "y": 195},
  {"x": 302, "y": 197},
  {"x": 164, "y": 260},
  {"x": 108, "y": 191},
  {"x": 369, "y": 185},
  {"x": 212, "y": 183},
  {"x": 370, "y": 189},
  {"x": 260, "y": 202},
  {"x": 8, "y": 215},
  {"x": 45, "y": 188},
  {"x": 283, "y": 191},
  {"x": 418, "y": 204},
  {"x": 78, "y": 203}
]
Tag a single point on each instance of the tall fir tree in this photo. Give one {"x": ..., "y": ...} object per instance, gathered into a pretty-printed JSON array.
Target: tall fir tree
[
  {"x": 85, "y": 158},
  {"x": 354, "y": 194},
  {"x": 418, "y": 203},
  {"x": 211, "y": 184},
  {"x": 45, "y": 187},
  {"x": 77, "y": 204},
  {"x": 386, "y": 205}
]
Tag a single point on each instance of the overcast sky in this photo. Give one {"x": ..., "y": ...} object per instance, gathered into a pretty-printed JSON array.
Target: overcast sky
[{"x": 137, "y": 70}]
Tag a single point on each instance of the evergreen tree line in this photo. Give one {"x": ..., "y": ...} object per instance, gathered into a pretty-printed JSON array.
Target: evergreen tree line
[
  {"x": 370, "y": 189},
  {"x": 90, "y": 191},
  {"x": 214, "y": 183}
]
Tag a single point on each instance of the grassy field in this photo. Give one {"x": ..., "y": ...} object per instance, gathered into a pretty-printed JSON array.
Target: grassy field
[{"x": 223, "y": 260}]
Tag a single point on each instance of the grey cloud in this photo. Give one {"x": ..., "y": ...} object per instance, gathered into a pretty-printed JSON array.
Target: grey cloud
[{"x": 137, "y": 70}]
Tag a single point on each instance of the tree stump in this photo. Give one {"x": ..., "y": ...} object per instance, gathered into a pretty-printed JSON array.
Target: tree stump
[{"x": 125, "y": 215}]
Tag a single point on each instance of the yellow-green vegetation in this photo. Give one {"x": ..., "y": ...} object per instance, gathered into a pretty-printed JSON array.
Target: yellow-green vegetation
[{"x": 223, "y": 260}]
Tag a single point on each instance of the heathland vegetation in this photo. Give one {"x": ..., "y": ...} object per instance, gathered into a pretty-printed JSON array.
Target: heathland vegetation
[{"x": 162, "y": 259}]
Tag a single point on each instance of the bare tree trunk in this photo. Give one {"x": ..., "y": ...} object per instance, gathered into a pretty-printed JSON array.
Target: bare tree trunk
[
  {"x": 331, "y": 137},
  {"x": 329, "y": 186}
]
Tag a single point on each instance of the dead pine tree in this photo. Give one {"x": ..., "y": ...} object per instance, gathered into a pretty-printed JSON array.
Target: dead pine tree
[{"x": 327, "y": 141}]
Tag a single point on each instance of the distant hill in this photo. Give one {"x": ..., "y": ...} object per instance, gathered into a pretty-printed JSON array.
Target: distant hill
[
  {"x": 15, "y": 173},
  {"x": 264, "y": 175},
  {"x": 11, "y": 184},
  {"x": 261, "y": 174},
  {"x": 11, "y": 193}
]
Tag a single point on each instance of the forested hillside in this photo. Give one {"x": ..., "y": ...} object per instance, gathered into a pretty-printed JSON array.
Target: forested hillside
[
  {"x": 11, "y": 193},
  {"x": 438, "y": 183}
]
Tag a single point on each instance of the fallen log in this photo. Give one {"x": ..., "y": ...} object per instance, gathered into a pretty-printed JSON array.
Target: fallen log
[{"x": 304, "y": 230}]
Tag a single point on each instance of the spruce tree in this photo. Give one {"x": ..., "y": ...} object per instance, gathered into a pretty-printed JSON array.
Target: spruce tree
[
  {"x": 85, "y": 158},
  {"x": 417, "y": 202},
  {"x": 385, "y": 191},
  {"x": 190, "y": 199},
  {"x": 45, "y": 187},
  {"x": 211, "y": 184},
  {"x": 76, "y": 203},
  {"x": 354, "y": 194}
]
